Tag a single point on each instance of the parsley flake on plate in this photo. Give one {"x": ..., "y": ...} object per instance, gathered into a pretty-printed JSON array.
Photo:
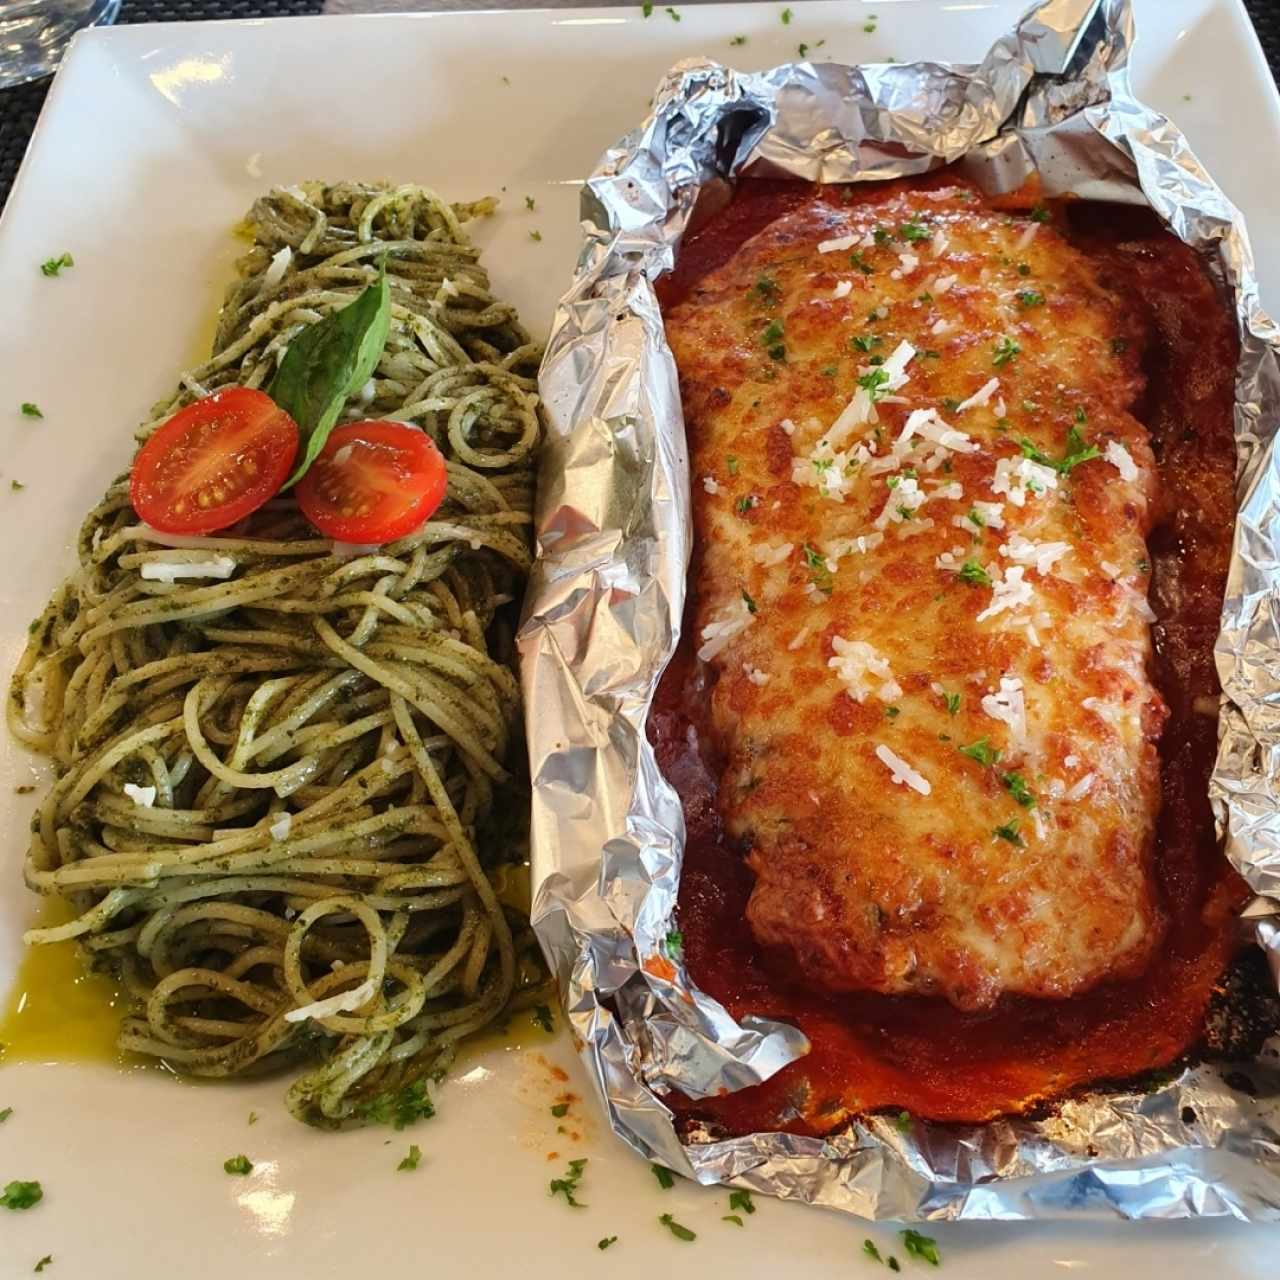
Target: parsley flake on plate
[
  {"x": 677, "y": 1229},
  {"x": 974, "y": 574},
  {"x": 1005, "y": 350},
  {"x": 606, "y": 1242},
  {"x": 30, "y": 410},
  {"x": 54, "y": 266},
  {"x": 239, "y": 1165},
  {"x": 982, "y": 751},
  {"x": 1009, "y": 831},
  {"x": 733, "y": 1217},
  {"x": 44, "y": 1262},
  {"x": 412, "y": 1160},
  {"x": 786, "y": 16},
  {"x": 541, "y": 1016},
  {"x": 741, "y": 1200},
  {"x": 567, "y": 1185},
  {"x": 21, "y": 1195},
  {"x": 869, "y": 1248},
  {"x": 5, "y": 1114},
  {"x": 560, "y": 1110},
  {"x": 923, "y": 1247},
  {"x": 398, "y": 1107},
  {"x": 664, "y": 1176}
]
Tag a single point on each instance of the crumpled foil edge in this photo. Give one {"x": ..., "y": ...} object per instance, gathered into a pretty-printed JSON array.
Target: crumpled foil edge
[{"x": 603, "y": 613}]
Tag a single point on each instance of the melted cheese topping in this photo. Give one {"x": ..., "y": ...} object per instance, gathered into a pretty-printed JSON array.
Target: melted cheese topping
[{"x": 937, "y": 722}]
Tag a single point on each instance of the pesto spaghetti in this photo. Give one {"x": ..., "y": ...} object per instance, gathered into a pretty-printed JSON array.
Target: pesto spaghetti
[{"x": 287, "y": 769}]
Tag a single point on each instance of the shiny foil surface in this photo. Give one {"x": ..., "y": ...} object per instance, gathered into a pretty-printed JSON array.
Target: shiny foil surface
[{"x": 603, "y": 615}]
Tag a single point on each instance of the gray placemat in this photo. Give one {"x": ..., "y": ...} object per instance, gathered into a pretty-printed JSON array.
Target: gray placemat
[{"x": 20, "y": 107}]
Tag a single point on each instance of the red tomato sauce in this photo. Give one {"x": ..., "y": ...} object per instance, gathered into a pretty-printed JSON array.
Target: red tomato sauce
[{"x": 873, "y": 1052}]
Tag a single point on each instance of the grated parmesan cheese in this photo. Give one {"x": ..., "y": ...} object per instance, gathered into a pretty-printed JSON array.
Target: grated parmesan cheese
[
  {"x": 788, "y": 426},
  {"x": 143, "y": 797},
  {"x": 953, "y": 492},
  {"x": 901, "y": 772},
  {"x": 940, "y": 242},
  {"x": 798, "y": 639},
  {"x": 1122, "y": 460},
  {"x": 1042, "y": 556},
  {"x": 909, "y": 260},
  {"x": 1008, "y": 705},
  {"x": 710, "y": 485},
  {"x": 275, "y": 271},
  {"x": 1007, "y": 592},
  {"x": 943, "y": 285},
  {"x": 755, "y": 675},
  {"x": 862, "y": 670},
  {"x": 1017, "y": 477},
  {"x": 343, "y": 1002},
  {"x": 1027, "y": 236},
  {"x": 981, "y": 396},
  {"x": 771, "y": 553},
  {"x": 843, "y": 289},
  {"x": 904, "y": 500},
  {"x": 731, "y": 620},
  {"x": 1081, "y": 788},
  {"x": 992, "y": 513},
  {"x": 940, "y": 327},
  {"x": 838, "y": 245},
  {"x": 927, "y": 424},
  {"x": 1071, "y": 761},
  {"x": 281, "y": 827},
  {"x": 220, "y": 567}
]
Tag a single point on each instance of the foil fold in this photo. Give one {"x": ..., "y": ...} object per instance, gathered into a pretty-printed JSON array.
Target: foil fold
[{"x": 603, "y": 615}]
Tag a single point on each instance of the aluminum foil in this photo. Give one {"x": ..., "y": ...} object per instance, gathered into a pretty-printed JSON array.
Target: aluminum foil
[{"x": 603, "y": 617}]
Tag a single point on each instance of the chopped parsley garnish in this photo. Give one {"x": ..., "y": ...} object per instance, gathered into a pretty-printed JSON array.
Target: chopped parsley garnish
[
  {"x": 1081, "y": 416},
  {"x": 1144, "y": 566},
  {"x": 746, "y": 503},
  {"x": 882, "y": 235},
  {"x": 560, "y": 1110},
  {"x": 773, "y": 332},
  {"x": 802, "y": 49},
  {"x": 926, "y": 296},
  {"x": 741, "y": 1200},
  {"x": 786, "y": 17},
  {"x": 892, "y": 713},
  {"x": 1076, "y": 453},
  {"x": 529, "y": 203},
  {"x": 894, "y": 1265},
  {"x": 732, "y": 463},
  {"x": 974, "y": 574},
  {"x": 5, "y": 1114},
  {"x": 30, "y": 410},
  {"x": 1005, "y": 350},
  {"x": 53, "y": 266},
  {"x": 239, "y": 1165},
  {"x": 398, "y": 1107},
  {"x": 1040, "y": 214},
  {"x": 1016, "y": 785},
  {"x": 952, "y": 702},
  {"x": 535, "y": 235},
  {"x": 680, "y": 1232},
  {"x": 567, "y": 1185},
  {"x": 253, "y": 1117},
  {"x": 1119, "y": 346},
  {"x": 44, "y": 1262},
  {"x": 903, "y": 1121},
  {"x": 412, "y": 1160},
  {"x": 608, "y": 1240},
  {"x": 737, "y": 40},
  {"x": 829, "y": 371},
  {"x": 733, "y": 1217},
  {"x": 913, "y": 231},
  {"x": 869, "y": 26},
  {"x": 664, "y": 1176},
  {"x": 1009, "y": 831},
  {"x": 21, "y": 1195},
  {"x": 819, "y": 570},
  {"x": 950, "y": 404},
  {"x": 767, "y": 288},
  {"x": 869, "y": 1248},
  {"x": 17, "y": 486},
  {"x": 646, "y": 9},
  {"x": 1024, "y": 269},
  {"x": 875, "y": 360},
  {"x": 975, "y": 517},
  {"x": 857, "y": 260},
  {"x": 675, "y": 17},
  {"x": 542, "y": 1017},
  {"x": 874, "y": 383},
  {"x": 749, "y": 602},
  {"x": 982, "y": 751},
  {"x": 1030, "y": 298},
  {"x": 923, "y": 1247},
  {"x": 673, "y": 944}
]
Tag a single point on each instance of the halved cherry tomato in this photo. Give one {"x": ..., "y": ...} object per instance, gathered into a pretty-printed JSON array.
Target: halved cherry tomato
[
  {"x": 373, "y": 482},
  {"x": 213, "y": 462}
]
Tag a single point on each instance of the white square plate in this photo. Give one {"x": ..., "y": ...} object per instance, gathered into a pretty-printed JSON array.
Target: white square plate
[{"x": 155, "y": 141}]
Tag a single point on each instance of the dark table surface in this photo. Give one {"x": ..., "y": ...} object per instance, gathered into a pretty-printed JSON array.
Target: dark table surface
[{"x": 19, "y": 107}]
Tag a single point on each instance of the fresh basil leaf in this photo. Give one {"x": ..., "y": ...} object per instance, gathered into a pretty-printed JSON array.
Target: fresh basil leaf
[{"x": 326, "y": 363}]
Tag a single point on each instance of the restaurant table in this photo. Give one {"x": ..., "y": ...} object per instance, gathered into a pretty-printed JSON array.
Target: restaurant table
[{"x": 19, "y": 107}]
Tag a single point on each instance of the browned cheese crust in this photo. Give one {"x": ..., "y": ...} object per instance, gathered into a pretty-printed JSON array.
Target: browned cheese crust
[{"x": 921, "y": 505}]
